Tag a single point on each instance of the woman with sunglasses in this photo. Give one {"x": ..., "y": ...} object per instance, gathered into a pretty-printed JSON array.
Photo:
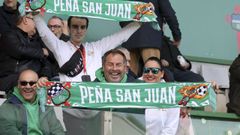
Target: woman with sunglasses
[{"x": 161, "y": 121}]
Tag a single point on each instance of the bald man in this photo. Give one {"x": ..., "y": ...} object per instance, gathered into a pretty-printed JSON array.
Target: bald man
[{"x": 21, "y": 113}]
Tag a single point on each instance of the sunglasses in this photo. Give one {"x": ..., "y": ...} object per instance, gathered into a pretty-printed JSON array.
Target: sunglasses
[
  {"x": 153, "y": 70},
  {"x": 24, "y": 83},
  {"x": 76, "y": 27}
]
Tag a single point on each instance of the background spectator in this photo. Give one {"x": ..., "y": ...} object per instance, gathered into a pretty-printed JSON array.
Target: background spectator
[
  {"x": 55, "y": 24},
  {"x": 130, "y": 73}
]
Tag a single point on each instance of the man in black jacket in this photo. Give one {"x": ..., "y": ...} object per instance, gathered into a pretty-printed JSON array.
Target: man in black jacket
[{"x": 20, "y": 50}]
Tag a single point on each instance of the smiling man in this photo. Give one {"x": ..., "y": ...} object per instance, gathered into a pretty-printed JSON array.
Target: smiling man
[
  {"x": 27, "y": 86},
  {"x": 21, "y": 113},
  {"x": 114, "y": 68}
]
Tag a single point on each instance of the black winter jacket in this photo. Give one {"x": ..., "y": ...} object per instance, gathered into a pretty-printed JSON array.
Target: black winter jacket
[{"x": 19, "y": 52}]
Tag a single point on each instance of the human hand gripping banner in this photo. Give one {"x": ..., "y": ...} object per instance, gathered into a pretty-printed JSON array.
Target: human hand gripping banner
[
  {"x": 130, "y": 95},
  {"x": 117, "y": 10}
]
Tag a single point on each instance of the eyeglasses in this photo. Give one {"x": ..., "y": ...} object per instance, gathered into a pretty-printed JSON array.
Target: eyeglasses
[
  {"x": 24, "y": 83},
  {"x": 76, "y": 27},
  {"x": 153, "y": 70},
  {"x": 54, "y": 26},
  {"x": 29, "y": 17}
]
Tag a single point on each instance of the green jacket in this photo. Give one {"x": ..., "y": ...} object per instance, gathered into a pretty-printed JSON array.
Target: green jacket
[{"x": 13, "y": 119}]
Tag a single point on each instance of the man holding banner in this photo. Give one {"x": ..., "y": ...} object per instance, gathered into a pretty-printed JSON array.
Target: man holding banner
[
  {"x": 80, "y": 60},
  {"x": 114, "y": 70},
  {"x": 21, "y": 114},
  {"x": 75, "y": 58},
  {"x": 160, "y": 121}
]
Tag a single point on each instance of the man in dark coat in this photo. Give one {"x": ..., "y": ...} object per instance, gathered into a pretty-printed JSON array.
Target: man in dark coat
[{"x": 20, "y": 50}]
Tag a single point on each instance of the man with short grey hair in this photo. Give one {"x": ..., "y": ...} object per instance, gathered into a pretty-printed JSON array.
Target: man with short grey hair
[{"x": 56, "y": 24}]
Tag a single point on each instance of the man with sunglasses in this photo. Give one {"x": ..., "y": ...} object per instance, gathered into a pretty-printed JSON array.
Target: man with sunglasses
[
  {"x": 76, "y": 58},
  {"x": 21, "y": 113}
]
